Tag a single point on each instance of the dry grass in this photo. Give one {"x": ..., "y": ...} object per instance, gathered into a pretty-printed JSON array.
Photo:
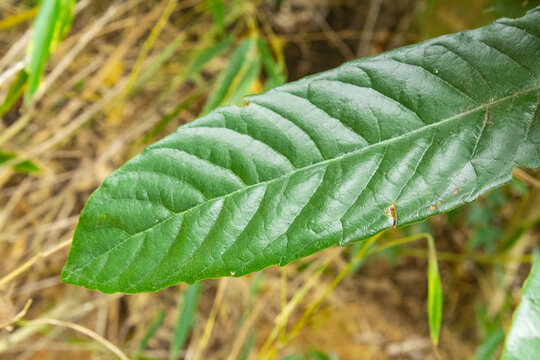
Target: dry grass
[{"x": 92, "y": 113}]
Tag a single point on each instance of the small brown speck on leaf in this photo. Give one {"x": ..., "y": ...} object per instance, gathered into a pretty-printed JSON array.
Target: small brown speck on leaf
[
  {"x": 456, "y": 191},
  {"x": 432, "y": 207}
]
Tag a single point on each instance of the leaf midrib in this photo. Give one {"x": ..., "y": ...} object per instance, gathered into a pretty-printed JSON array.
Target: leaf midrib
[{"x": 328, "y": 161}]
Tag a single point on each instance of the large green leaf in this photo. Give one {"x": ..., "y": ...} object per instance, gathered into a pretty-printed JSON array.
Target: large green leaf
[
  {"x": 523, "y": 341},
  {"x": 327, "y": 160}
]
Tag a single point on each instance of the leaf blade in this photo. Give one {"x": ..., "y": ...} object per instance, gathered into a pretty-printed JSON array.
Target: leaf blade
[
  {"x": 523, "y": 341},
  {"x": 316, "y": 163}
]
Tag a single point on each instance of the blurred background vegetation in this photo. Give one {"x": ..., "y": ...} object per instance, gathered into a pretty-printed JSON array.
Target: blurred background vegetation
[{"x": 97, "y": 81}]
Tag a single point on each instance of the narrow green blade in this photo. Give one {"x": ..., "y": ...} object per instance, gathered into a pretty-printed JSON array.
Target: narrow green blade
[
  {"x": 15, "y": 91},
  {"x": 227, "y": 79},
  {"x": 218, "y": 11},
  {"x": 435, "y": 296},
  {"x": 154, "y": 327},
  {"x": 185, "y": 320}
]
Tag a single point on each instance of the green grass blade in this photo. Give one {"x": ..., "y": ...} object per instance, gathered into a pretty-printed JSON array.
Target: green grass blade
[
  {"x": 207, "y": 54},
  {"x": 227, "y": 78},
  {"x": 274, "y": 71},
  {"x": 156, "y": 324},
  {"x": 5, "y": 156},
  {"x": 25, "y": 166},
  {"x": 185, "y": 320},
  {"x": 218, "y": 12},
  {"x": 40, "y": 43},
  {"x": 488, "y": 348},
  {"x": 52, "y": 23},
  {"x": 15, "y": 91},
  {"x": 246, "y": 80},
  {"x": 248, "y": 345},
  {"x": 159, "y": 60},
  {"x": 64, "y": 21},
  {"x": 435, "y": 297},
  {"x": 319, "y": 355},
  {"x": 167, "y": 118}
]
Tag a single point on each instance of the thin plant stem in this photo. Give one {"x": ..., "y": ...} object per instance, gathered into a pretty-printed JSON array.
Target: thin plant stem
[
  {"x": 266, "y": 351},
  {"x": 211, "y": 319},
  {"x": 362, "y": 253},
  {"x": 42, "y": 255},
  {"x": 100, "y": 339},
  {"x": 525, "y": 177}
]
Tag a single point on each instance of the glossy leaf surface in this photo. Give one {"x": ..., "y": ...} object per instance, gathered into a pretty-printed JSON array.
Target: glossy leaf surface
[
  {"x": 327, "y": 160},
  {"x": 523, "y": 341}
]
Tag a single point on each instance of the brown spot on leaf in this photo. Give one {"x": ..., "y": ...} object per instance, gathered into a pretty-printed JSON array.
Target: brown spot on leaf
[
  {"x": 432, "y": 207},
  {"x": 391, "y": 213},
  {"x": 456, "y": 191},
  {"x": 245, "y": 104}
]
